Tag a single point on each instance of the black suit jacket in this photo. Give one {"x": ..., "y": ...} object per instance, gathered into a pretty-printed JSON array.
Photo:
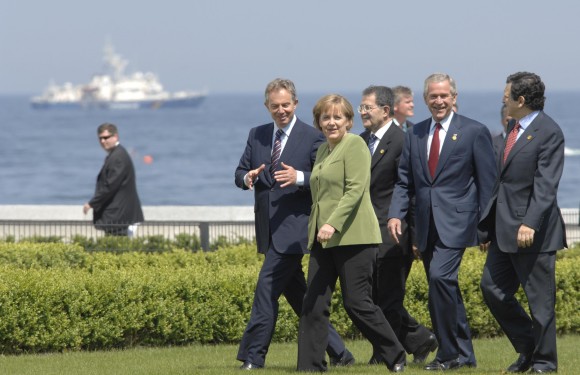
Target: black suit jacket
[
  {"x": 281, "y": 214},
  {"x": 498, "y": 145},
  {"x": 116, "y": 200},
  {"x": 384, "y": 168},
  {"x": 526, "y": 190}
]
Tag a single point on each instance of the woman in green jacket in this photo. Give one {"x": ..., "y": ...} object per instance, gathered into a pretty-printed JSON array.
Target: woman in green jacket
[{"x": 343, "y": 236}]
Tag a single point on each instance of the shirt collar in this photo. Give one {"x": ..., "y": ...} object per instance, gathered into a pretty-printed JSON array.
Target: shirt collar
[
  {"x": 287, "y": 129},
  {"x": 381, "y": 132},
  {"x": 527, "y": 119},
  {"x": 444, "y": 123}
]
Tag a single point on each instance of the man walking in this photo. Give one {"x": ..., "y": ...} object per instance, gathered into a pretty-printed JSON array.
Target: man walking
[
  {"x": 385, "y": 140},
  {"x": 276, "y": 164},
  {"x": 448, "y": 165},
  {"x": 116, "y": 205},
  {"x": 525, "y": 227}
]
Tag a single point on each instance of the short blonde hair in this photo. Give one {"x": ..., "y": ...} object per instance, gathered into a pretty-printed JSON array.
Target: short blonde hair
[{"x": 331, "y": 100}]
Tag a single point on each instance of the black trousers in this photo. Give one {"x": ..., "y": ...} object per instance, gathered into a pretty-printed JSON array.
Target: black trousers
[
  {"x": 280, "y": 274},
  {"x": 389, "y": 294},
  {"x": 353, "y": 267},
  {"x": 503, "y": 274}
]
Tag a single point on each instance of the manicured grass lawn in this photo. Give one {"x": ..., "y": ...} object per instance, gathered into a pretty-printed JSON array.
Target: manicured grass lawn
[{"x": 493, "y": 355}]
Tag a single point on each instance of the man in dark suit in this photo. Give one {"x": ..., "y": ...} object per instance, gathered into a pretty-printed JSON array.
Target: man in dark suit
[
  {"x": 525, "y": 227},
  {"x": 394, "y": 261},
  {"x": 403, "y": 107},
  {"x": 116, "y": 206},
  {"x": 499, "y": 139},
  {"x": 276, "y": 164},
  {"x": 447, "y": 163}
]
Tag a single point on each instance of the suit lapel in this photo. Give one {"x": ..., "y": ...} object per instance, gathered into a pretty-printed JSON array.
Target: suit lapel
[
  {"x": 451, "y": 138},
  {"x": 382, "y": 147},
  {"x": 293, "y": 141},
  {"x": 422, "y": 131},
  {"x": 527, "y": 137},
  {"x": 265, "y": 139}
]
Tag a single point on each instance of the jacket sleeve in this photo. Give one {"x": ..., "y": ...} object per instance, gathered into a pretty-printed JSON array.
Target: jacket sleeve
[
  {"x": 114, "y": 173},
  {"x": 550, "y": 165},
  {"x": 404, "y": 189},
  {"x": 315, "y": 146},
  {"x": 245, "y": 164},
  {"x": 485, "y": 167}
]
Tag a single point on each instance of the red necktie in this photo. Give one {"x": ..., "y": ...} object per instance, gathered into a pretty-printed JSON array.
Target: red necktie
[
  {"x": 511, "y": 141},
  {"x": 434, "y": 151}
]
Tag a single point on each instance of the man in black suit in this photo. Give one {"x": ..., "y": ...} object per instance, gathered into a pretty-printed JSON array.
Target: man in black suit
[
  {"x": 403, "y": 107},
  {"x": 525, "y": 227},
  {"x": 385, "y": 140},
  {"x": 116, "y": 206},
  {"x": 276, "y": 164},
  {"x": 499, "y": 139}
]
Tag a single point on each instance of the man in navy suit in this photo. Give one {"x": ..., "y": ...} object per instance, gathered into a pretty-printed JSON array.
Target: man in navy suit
[
  {"x": 394, "y": 261},
  {"x": 276, "y": 164},
  {"x": 447, "y": 164},
  {"x": 525, "y": 227}
]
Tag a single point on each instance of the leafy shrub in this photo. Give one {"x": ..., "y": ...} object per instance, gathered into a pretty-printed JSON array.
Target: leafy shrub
[{"x": 58, "y": 297}]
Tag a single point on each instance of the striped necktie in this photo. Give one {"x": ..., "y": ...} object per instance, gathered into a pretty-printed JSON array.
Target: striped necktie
[{"x": 276, "y": 151}]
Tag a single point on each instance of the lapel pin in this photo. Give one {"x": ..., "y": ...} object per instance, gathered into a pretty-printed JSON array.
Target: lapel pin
[
  {"x": 454, "y": 137},
  {"x": 382, "y": 151},
  {"x": 530, "y": 137}
]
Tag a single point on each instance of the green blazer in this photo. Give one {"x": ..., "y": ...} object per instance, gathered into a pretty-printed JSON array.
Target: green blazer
[{"x": 339, "y": 184}]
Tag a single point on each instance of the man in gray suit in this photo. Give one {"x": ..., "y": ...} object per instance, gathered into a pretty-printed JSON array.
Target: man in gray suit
[
  {"x": 525, "y": 227},
  {"x": 116, "y": 205}
]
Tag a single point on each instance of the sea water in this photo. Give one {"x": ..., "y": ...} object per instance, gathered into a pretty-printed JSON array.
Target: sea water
[{"x": 188, "y": 156}]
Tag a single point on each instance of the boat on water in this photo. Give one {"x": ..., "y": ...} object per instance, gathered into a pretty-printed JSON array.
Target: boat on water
[{"x": 115, "y": 90}]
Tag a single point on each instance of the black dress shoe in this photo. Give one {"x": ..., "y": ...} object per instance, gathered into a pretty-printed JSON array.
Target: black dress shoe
[
  {"x": 523, "y": 363},
  {"x": 250, "y": 366},
  {"x": 398, "y": 367},
  {"x": 346, "y": 359},
  {"x": 443, "y": 366},
  {"x": 540, "y": 371},
  {"x": 427, "y": 347}
]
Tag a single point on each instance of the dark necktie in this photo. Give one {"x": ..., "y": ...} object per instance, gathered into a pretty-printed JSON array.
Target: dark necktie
[
  {"x": 276, "y": 151},
  {"x": 434, "y": 151},
  {"x": 372, "y": 140},
  {"x": 511, "y": 141}
]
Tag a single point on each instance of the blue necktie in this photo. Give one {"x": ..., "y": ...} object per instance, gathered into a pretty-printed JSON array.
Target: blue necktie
[{"x": 372, "y": 140}]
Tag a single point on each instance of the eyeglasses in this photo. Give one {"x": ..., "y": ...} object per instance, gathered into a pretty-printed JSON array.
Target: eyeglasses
[
  {"x": 364, "y": 108},
  {"x": 105, "y": 137}
]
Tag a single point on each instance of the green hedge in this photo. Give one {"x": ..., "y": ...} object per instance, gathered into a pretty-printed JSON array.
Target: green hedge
[{"x": 58, "y": 297}]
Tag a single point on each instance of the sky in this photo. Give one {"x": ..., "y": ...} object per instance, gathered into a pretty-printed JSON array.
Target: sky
[{"x": 238, "y": 46}]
